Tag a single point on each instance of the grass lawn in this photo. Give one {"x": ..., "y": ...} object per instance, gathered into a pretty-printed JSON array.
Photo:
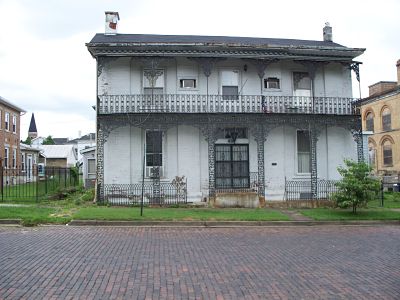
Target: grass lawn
[
  {"x": 33, "y": 215},
  {"x": 391, "y": 200},
  {"x": 182, "y": 214},
  {"x": 346, "y": 214}
]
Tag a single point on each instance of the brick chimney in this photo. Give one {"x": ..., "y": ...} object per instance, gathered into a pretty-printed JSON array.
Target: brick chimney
[
  {"x": 327, "y": 32},
  {"x": 398, "y": 72},
  {"x": 111, "y": 25}
]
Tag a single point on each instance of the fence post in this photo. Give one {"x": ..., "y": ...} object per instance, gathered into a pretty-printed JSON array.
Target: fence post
[
  {"x": 37, "y": 183},
  {"x": 382, "y": 194},
  {"x": 2, "y": 181}
]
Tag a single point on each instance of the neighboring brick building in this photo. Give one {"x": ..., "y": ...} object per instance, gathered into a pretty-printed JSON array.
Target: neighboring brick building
[
  {"x": 381, "y": 115},
  {"x": 10, "y": 155}
]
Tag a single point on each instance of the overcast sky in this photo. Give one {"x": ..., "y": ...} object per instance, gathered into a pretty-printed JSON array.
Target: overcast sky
[{"x": 45, "y": 67}]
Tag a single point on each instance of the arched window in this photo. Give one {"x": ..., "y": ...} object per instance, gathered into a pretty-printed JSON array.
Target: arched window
[
  {"x": 387, "y": 153},
  {"x": 372, "y": 155},
  {"x": 386, "y": 119},
  {"x": 369, "y": 121}
]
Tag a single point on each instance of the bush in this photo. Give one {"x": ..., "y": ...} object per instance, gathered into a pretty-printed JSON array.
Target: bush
[{"x": 356, "y": 187}]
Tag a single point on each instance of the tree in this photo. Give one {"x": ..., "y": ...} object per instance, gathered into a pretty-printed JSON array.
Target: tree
[
  {"x": 356, "y": 187},
  {"x": 48, "y": 141},
  {"x": 28, "y": 141}
]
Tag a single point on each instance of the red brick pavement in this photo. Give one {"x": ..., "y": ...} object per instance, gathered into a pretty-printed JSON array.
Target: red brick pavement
[{"x": 320, "y": 262}]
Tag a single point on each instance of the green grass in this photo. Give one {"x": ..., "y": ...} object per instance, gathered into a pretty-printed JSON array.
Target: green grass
[
  {"x": 181, "y": 214},
  {"x": 390, "y": 200},
  {"x": 33, "y": 215},
  {"x": 346, "y": 214}
]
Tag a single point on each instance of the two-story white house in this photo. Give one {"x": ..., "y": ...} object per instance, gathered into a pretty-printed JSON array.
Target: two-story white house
[{"x": 233, "y": 115}]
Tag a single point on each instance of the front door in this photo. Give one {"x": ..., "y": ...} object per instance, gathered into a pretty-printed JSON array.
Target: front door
[{"x": 232, "y": 166}]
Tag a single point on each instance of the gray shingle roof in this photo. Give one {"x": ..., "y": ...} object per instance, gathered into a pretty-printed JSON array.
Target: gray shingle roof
[{"x": 209, "y": 40}]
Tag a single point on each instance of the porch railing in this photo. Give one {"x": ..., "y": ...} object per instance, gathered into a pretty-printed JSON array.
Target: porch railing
[
  {"x": 187, "y": 103},
  {"x": 131, "y": 194},
  {"x": 252, "y": 187},
  {"x": 301, "y": 189}
]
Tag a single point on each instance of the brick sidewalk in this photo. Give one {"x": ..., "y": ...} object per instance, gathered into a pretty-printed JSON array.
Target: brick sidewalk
[{"x": 322, "y": 262}]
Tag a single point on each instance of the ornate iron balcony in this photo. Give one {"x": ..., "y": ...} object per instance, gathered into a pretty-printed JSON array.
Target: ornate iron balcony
[{"x": 187, "y": 103}]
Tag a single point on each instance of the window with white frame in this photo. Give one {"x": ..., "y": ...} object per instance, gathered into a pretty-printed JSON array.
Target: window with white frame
[
  {"x": 23, "y": 161},
  {"x": 272, "y": 83},
  {"x": 7, "y": 121},
  {"x": 14, "y": 124},
  {"x": 91, "y": 166},
  {"x": 154, "y": 152},
  {"x": 301, "y": 84},
  {"x": 14, "y": 158},
  {"x": 6, "y": 156},
  {"x": 229, "y": 84},
  {"x": 187, "y": 83},
  {"x": 153, "y": 85},
  {"x": 303, "y": 151}
]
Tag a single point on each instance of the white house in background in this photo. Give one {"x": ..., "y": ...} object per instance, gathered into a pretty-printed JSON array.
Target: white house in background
[
  {"x": 63, "y": 156},
  {"x": 234, "y": 115},
  {"x": 29, "y": 161},
  {"x": 83, "y": 142},
  {"x": 89, "y": 166}
]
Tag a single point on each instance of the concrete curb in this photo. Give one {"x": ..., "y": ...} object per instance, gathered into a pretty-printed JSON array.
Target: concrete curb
[
  {"x": 229, "y": 223},
  {"x": 10, "y": 221}
]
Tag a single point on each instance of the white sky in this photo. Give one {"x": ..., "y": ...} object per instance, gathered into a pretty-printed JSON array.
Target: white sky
[{"x": 45, "y": 67}]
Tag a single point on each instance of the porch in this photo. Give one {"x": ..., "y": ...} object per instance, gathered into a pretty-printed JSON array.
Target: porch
[{"x": 194, "y": 103}]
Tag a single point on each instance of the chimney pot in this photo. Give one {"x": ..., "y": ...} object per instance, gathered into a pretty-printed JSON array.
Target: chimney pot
[
  {"x": 327, "y": 32},
  {"x": 111, "y": 25}
]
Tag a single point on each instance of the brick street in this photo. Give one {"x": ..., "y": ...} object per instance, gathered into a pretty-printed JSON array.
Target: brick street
[{"x": 319, "y": 262}]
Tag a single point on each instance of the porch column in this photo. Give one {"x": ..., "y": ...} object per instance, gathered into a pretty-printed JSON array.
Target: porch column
[
  {"x": 259, "y": 136},
  {"x": 100, "y": 164},
  {"x": 211, "y": 139},
  {"x": 358, "y": 138},
  {"x": 314, "y": 172}
]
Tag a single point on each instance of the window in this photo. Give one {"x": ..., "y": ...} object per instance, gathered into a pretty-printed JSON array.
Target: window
[
  {"x": 187, "y": 83},
  {"x": 153, "y": 151},
  {"x": 14, "y": 124},
  {"x": 230, "y": 84},
  {"x": 387, "y": 153},
  {"x": 7, "y": 121},
  {"x": 272, "y": 83},
  {"x": 303, "y": 151},
  {"x": 232, "y": 133},
  {"x": 91, "y": 166},
  {"x": 232, "y": 166},
  {"x": 14, "y": 158},
  {"x": 6, "y": 156},
  {"x": 301, "y": 84},
  {"x": 23, "y": 161},
  {"x": 369, "y": 122},
  {"x": 153, "y": 84},
  {"x": 386, "y": 120}
]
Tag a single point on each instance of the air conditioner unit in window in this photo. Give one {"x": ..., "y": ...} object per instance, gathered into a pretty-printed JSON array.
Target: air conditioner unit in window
[{"x": 150, "y": 172}]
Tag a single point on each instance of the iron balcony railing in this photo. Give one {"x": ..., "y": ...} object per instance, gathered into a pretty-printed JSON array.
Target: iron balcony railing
[{"x": 187, "y": 103}]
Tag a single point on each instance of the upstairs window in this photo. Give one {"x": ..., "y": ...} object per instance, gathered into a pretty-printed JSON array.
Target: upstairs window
[
  {"x": 91, "y": 166},
  {"x": 14, "y": 124},
  {"x": 6, "y": 156},
  {"x": 7, "y": 121},
  {"x": 303, "y": 151},
  {"x": 272, "y": 83},
  {"x": 187, "y": 83},
  {"x": 1, "y": 119},
  {"x": 230, "y": 84},
  {"x": 301, "y": 84},
  {"x": 154, "y": 152},
  {"x": 14, "y": 158},
  {"x": 387, "y": 153},
  {"x": 153, "y": 82},
  {"x": 23, "y": 161},
  {"x": 369, "y": 122},
  {"x": 386, "y": 120}
]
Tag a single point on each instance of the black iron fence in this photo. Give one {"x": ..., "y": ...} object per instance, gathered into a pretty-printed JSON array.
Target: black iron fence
[
  {"x": 301, "y": 189},
  {"x": 250, "y": 185},
  {"x": 131, "y": 194},
  {"x": 34, "y": 184}
]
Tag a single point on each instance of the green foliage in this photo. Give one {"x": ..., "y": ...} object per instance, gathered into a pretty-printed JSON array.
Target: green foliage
[
  {"x": 357, "y": 187},
  {"x": 28, "y": 141},
  {"x": 48, "y": 141}
]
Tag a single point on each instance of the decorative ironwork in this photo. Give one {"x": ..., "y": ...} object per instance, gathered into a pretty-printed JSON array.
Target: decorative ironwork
[
  {"x": 358, "y": 138},
  {"x": 314, "y": 171},
  {"x": 186, "y": 103},
  {"x": 261, "y": 65},
  {"x": 303, "y": 190},
  {"x": 259, "y": 134},
  {"x": 356, "y": 68},
  {"x": 131, "y": 194},
  {"x": 207, "y": 63}
]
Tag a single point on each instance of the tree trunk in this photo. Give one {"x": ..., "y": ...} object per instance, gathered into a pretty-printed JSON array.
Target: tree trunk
[{"x": 354, "y": 209}]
